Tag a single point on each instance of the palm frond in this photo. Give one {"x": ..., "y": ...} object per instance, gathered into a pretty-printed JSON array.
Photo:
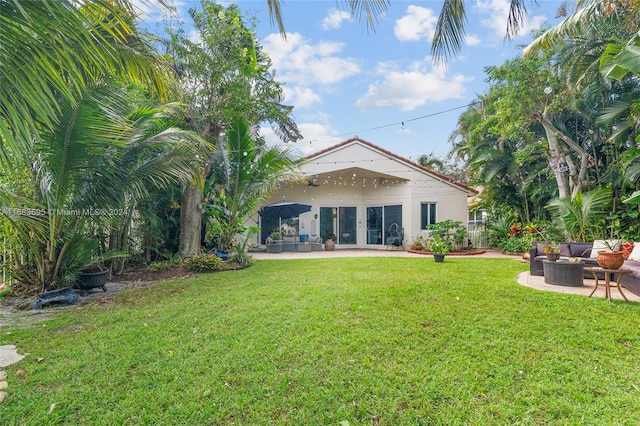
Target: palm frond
[
  {"x": 450, "y": 30},
  {"x": 369, "y": 10},
  {"x": 573, "y": 26}
]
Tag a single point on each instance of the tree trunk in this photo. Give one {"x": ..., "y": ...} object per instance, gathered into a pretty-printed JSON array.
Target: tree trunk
[
  {"x": 191, "y": 220},
  {"x": 556, "y": 160}
]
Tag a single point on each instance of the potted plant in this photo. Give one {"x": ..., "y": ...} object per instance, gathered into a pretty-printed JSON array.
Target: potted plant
[
  {"x": 417, "y": 243},
  {"x": 330, "y": 244},
  {"x": 552, "y": 251},
  {"x": 609, "y": 253},
  {"x": 439, "y": 248},
  {"x": 276, "y": 236}
]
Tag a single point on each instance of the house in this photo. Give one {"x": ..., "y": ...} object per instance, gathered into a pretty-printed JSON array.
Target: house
[{"x": 358, "y": 191}]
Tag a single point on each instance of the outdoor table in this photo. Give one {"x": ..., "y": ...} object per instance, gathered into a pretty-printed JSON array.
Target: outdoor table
[
  {"x": 607, "y": 280},
  {"x": 562, "y": 272}
]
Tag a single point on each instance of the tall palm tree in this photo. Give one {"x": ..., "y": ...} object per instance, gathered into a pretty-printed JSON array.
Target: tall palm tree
[{"x": 245, "y": 171}]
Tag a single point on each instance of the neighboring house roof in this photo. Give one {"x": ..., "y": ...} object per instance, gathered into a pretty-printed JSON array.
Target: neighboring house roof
[{"x": 390, "y": 154}]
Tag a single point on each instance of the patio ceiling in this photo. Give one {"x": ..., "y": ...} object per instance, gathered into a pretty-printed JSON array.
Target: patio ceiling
[{"x": 353, "y": 175}]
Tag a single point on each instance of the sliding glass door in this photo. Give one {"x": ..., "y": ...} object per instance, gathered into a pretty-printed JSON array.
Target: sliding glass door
[
  {"x": 340, "y": 224},
  {"x": 379, "y": 220}
]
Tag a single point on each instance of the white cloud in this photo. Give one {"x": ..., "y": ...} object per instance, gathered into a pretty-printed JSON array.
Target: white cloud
[
  {"x": 473, "y": 40},
  {"x": 302, "y": 97},
  {"x": 498, "y": 11},
  {"x": 317, "y": 137},
  {"x": 296, "y": 60},
  {"x": 419, "y": 23},
  {"x": 335, "y": 18},
  {"x": 412, "y": 88}
]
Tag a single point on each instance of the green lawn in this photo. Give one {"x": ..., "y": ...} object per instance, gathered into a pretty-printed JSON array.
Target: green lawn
[{"x": 358, "y": 341}]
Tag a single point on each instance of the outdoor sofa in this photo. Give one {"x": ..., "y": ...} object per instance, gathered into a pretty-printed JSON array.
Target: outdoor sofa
[
  {"x": 294, "y": 243},
  {"x": 630, "y": 281}
]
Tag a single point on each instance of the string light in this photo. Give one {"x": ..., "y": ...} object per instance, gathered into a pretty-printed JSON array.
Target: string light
[{"x": 400, "y": 123}]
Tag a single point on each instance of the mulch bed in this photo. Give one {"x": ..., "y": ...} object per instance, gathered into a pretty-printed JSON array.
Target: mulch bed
[{"x": 451, "y": 253}]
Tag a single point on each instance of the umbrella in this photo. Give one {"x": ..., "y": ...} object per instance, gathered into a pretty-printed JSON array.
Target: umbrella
[{"x": 285, "y": 210}]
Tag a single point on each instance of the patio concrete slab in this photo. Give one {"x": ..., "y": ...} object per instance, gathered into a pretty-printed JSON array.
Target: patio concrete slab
[{"x": 587, "y": 287}]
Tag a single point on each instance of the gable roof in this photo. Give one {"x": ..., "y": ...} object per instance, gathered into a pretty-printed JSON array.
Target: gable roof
[{"x": 390, "y": 154}]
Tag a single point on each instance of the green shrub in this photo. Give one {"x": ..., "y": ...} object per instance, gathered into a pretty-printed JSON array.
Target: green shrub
[
  {"x": 161, "y": 266},
  {"x": 203, "y": 263},
  {"x": 242, "y": 257},
  {"x": 516, "y": 244}
]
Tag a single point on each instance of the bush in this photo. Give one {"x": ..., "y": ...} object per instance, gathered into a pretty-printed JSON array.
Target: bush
[
  {"x": 516, "y": 244},
  {"x": 203, "y": 263},
  {"x": 242, "y": 257}
]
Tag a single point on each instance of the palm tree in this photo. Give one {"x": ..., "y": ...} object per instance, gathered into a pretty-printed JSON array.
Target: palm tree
[
  {"x": 245, "y": 171},
  {"x": 583, "y": 215},
  {"x": 104, "y": 155}
]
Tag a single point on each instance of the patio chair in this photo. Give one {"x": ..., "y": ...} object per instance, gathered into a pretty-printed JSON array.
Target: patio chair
[{"x": 395, "y": 238}]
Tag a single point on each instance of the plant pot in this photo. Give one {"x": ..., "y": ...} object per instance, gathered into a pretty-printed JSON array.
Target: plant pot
[
  {"x": 610, "y": 259},
  {"x": 438, "y": 257},
  {"x": 553, "y": 256},
  {"x": 329, "y": 245}
]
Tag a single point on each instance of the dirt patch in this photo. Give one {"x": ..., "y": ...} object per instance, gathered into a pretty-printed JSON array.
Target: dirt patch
[{"x": 16, "y": 311}]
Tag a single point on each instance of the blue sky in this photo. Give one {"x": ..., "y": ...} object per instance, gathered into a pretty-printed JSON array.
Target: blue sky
[{"x": 344, "y": 81}]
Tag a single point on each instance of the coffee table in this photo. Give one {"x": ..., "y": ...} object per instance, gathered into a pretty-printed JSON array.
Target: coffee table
[{"x": 562, "y": 272}]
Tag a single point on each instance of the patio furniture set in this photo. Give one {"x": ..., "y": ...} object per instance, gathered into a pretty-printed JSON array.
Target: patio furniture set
[{"x": 578, "y": 261}]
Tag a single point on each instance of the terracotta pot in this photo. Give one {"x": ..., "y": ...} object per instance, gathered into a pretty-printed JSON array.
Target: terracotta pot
[
  {"x": 329, "y": 245},
  {"x": 610, "y": 259}
]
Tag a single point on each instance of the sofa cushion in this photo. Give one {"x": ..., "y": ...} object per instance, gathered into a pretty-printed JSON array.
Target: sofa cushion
[
  {"x": 633, "y": 266},
  {"x": 635, "y": 253},
  {"x": 626, "y": 249},
  {"x": 580, "y": 249}
]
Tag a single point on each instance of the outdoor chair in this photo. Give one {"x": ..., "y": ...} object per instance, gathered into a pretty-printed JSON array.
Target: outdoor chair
[{"x": 395, "y": 238}]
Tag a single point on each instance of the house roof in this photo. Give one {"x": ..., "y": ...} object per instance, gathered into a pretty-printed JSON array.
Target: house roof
[{"x": 390, "y": 154}]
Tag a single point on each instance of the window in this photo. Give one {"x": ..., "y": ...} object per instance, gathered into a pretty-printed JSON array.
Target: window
[
  {"x": 476, "y": 219},
  {"x": 427, "y": 214}
]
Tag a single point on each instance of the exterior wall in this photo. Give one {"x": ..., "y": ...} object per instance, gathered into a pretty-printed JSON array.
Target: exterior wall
[{"x": 380, "y": 180}]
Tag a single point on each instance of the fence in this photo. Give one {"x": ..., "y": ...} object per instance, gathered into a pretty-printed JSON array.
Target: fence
[
  {"x": 6, "y": 258},
  {"x": 478, "y": 235}
]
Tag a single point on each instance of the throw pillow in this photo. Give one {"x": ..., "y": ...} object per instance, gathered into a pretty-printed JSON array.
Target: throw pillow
[
  {"x": 635, "y": 253},
  {"x": 627, "y": 248},
  {"x": 599, "y": 245}
]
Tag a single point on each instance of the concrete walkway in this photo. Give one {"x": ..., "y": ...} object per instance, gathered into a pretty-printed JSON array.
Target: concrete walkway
[{"x": 523, "y": 278}]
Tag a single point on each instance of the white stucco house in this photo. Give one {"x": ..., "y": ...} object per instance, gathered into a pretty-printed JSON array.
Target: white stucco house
[{"x": 358, "y": 190}]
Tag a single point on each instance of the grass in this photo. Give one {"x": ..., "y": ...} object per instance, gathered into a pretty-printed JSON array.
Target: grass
[{"x": 353, "y": 341}]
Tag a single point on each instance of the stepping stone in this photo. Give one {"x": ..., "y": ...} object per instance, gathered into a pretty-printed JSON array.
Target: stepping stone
[{"x": 9, "y": 355}]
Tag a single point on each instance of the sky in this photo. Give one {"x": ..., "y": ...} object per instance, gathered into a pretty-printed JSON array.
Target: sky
[{"x": 382, "y": 85}]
